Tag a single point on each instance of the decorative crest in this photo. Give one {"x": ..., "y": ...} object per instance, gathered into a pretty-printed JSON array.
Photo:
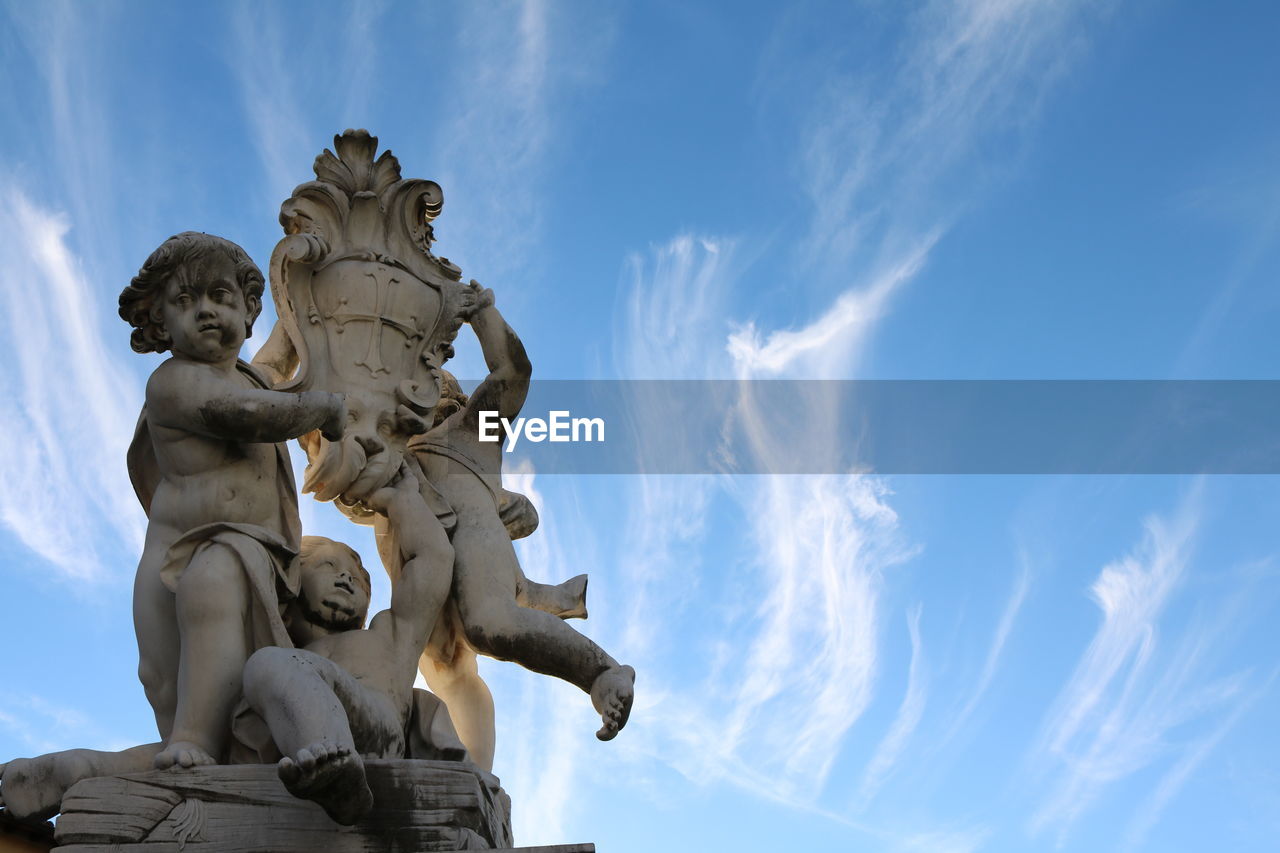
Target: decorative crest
[{"x": 366, "y": 308}]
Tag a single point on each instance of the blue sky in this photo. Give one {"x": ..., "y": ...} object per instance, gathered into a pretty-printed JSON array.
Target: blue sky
[{"x": 991, "y": 189}]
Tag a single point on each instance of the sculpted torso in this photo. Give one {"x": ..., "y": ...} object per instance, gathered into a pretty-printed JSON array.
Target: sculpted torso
[{"x": 205, "y": 478}]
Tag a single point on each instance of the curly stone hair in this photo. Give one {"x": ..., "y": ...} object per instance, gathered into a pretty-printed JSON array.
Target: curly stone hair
[
  {"x": 140, "y": 301},
  {"x": 452, "y": 398}
]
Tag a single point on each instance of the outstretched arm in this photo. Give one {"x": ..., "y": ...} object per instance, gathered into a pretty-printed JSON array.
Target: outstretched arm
[
  {"x": 427, "y": 574},
  {"x": 198, "y": 399},
  {"x": 507, "y": 384}
]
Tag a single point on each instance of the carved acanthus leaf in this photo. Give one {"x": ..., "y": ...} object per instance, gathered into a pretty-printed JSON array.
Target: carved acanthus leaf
[{"x": 353, "y": 169}]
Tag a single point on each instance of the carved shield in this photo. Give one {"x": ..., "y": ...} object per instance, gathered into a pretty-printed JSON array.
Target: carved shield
[{"x": 364, "y": 309}]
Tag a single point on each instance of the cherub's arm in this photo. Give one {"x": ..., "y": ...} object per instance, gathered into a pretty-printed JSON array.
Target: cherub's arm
[
  {"x": 507, "y": 384},
  {"x": 427, "y": 573},
  {"x": 199, "y": 399}
]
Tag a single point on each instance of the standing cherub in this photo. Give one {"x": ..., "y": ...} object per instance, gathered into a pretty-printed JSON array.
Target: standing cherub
[{"x": 209, "y": 467}]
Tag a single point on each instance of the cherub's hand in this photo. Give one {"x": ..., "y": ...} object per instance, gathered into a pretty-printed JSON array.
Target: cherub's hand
[
  {"x": 403, "y": 486},
  {"x": 335, "y": 423},
  {"x": 483, "y": 294},
  {"x": 476, "y": 299}
]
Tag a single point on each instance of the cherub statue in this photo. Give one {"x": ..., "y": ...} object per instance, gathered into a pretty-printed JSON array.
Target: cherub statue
[
  {"x": 348, "y": 693},
  {"x": 209, "y": 467},
  {"x": 488, "y": 583}
]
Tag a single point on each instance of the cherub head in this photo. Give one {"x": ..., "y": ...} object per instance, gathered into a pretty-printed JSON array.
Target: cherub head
[
  {"x": 452, "y": 398},
  {"x": 334, "y": 590},
  {"x": 197, "y": 294}
]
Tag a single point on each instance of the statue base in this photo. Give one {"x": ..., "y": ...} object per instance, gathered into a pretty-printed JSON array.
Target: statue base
[{"x": 418, "y": 806}]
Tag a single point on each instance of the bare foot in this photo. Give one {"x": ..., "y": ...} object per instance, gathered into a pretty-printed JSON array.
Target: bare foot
[
  {"x": 183, "y": 755},
  {"x": 332, "y": 776},
  {"x": 575, "y": 592},
  {"x": 31, "y": 789},
  {"x": 568, "y": 600},
  {"x": 611, "y": 694}
]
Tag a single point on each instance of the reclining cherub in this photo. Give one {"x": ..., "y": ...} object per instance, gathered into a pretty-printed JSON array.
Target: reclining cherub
[{"x": 348, "y": 694}]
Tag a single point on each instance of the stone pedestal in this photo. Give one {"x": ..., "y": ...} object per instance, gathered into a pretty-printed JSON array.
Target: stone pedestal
[{"x": 419, "y": 806}]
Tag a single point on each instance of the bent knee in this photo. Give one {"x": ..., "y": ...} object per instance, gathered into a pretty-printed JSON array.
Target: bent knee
[
  {"x": 265, "y": 668},
  {"x": 159, "y": 685}
]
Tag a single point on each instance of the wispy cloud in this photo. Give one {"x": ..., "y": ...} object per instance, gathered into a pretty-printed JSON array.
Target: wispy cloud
[
  {"x": 873, "y": 156},
  {"x": 878, "y": 147},
  {"x": 78, "y": 163},
  {"x": 904, "y": 724},
  {"x": 1171, "y": 782},
  {"x": 42, "y": 726},
  {"x": 272, "y": 91},
  {"x": 794, "y": 666},
  {"x": 67, "y": 495},
  {"x": 943, "y": 841},
  {"x": 496, "y": 144},
  {"x": 828, "y": 347},
  {"x": 1012, "y": 607},
  {"x": 1127, "y": 698}
]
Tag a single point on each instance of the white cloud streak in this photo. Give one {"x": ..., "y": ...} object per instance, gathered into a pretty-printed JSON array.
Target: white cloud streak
[
  {"x": 792, "y": 669},
  {"x": 1012, "y": 607},
  {"x": 1171, "y": 782},
  {"x": 1125, "y": 702},
  {"x": 828, "y": 347},
  {"x": 67, "y": 496},
  {"x": 42, "y": 727},
  {"x": 904, "y": 724},
  {"x": 272, "y": 93},
  {"x": 493, "y": 148},
  {"x": 878, "y": 146},
  {"x": 799, "y": 669}
]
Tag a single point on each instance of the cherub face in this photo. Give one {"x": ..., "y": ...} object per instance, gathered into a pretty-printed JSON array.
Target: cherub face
[
  {"x": 335, "y": 588},
  {"x": 204, "y": 311}
]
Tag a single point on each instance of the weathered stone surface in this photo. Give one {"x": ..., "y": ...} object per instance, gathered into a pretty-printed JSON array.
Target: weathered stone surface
[{"x": 418, "y": 806}]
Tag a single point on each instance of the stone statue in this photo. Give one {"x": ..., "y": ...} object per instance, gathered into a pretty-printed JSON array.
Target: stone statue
[
  {"x": 367, "y": 310},
  {"x": 284, "y": 723},
  {"x": 217, "y": 486}
]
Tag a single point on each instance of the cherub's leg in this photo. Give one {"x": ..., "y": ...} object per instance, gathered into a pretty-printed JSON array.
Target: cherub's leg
[
  {"x": 485, "y": 572},
  {"x": 32, "y": 788},
  {"x": 458, "y": 684},
  {"x": 156, "y": 626},
  {"x": 310, "y": 704},
  {"x": 213, "y": 605}
]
